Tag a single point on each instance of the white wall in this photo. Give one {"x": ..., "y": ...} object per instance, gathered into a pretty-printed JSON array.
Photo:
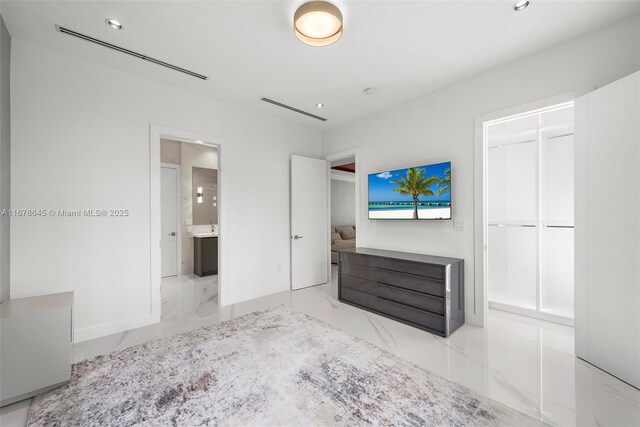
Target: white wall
[
  {"x": 439, "y": 126},
  {"x": 343, "y": 202},
  {"x": 5, "y": 156},
  {"x": 81, "y": 141}
]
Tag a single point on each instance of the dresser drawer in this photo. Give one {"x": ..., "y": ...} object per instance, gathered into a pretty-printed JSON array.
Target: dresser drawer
[
  {"x": 394, "y": 309},
  {"x": 420, "y": 269},
  {"x": 392, "y": 293},
  {"x": 398, "y": 279}
]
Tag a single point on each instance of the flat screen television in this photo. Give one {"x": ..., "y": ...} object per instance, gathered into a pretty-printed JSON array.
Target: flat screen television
[{"x": 421, "y": 192}]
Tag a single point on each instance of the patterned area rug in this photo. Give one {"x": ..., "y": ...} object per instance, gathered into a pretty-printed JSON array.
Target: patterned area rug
[{"x": 275, "y": 367}]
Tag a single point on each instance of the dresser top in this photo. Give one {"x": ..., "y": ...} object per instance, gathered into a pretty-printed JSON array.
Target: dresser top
[{"x": 406, "y": 256}]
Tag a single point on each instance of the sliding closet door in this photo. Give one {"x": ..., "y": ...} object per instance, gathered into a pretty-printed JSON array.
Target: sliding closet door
[{"x": 607, "y": 159}]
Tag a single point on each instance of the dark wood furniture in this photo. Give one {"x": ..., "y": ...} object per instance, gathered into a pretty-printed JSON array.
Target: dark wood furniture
[
  {"x": 420, "y": 290},
  {"x": 205, "y": 256}
]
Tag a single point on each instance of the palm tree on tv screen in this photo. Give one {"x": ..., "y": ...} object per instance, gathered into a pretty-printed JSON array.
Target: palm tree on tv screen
[
  {"x": 445, "y": 183},
  {"x": 415, "y": 184}
]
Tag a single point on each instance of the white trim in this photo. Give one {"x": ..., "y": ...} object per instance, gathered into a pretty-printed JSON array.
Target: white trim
[
  {"x": 343, "y": 176},
  {"x": 355, "y": 153},
  {"x": 541, "y": 315},
  {"x": 156, "y": 132},
  {"x": 271, "y": 290},
  {"x": 178, "y": 169},
  {"x": 479, "y": 178},
  {"x": 109, "y": 328}
]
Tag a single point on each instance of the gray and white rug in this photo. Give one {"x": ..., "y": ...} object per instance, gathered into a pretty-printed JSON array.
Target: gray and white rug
[{"x": 275, "y": 367}]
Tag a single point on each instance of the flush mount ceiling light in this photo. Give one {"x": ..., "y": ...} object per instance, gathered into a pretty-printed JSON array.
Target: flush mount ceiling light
[
  {"x": 370, "y": 90},
  {"x": 318, "y": 23},
  {"x": 521, "y": 5},
  {"x": 114, "y": 23},
  {"x": 320, "y": 105}
]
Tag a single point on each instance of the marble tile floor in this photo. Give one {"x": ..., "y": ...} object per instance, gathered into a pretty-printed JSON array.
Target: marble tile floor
[{"x": 525, "y": 363}]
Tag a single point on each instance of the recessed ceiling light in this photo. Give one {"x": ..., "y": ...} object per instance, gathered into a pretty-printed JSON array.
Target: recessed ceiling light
[
  {"x": 320, "y": 105},
  {"x": 521, "y": 5},
  {"x": 115, "y": 24},
  {"x": 370, "y": 90},
  {"x": 318, "y": 23}
]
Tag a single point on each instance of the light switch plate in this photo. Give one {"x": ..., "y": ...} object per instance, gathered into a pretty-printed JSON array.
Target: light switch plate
[{"x": 458, "y": 225}]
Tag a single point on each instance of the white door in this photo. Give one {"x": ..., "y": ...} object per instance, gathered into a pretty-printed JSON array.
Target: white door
[
  {"x": 607, "y": 228},
  {"x": 169, "y": 221},
  {"x": 309, "y": 225}
]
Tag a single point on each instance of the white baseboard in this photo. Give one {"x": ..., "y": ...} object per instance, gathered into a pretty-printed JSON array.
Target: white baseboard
[
  {"x": 109, "y": 328},
  {"x": 236, "y": 299},
  {"x": 532, "y": 313}
]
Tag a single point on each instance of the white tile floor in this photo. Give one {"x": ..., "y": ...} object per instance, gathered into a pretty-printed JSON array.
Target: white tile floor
[{"x": 525, "y": 363}]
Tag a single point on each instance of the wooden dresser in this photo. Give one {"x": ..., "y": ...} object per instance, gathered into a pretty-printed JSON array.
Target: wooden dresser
[{"x": 420, "y": 290}]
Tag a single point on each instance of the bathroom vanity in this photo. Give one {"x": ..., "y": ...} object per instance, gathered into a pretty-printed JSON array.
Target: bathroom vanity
[{"x": 205, "y": 254}]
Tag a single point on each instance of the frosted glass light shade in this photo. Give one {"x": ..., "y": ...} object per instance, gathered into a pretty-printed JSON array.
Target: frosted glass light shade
[{"x": 318, "y": 23}]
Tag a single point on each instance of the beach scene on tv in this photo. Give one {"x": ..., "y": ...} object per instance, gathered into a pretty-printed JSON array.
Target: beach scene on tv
[{"x": 422, "y": 192}]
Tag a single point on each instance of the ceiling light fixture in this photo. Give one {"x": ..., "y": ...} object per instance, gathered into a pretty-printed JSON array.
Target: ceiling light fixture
[
  {"x": 115, "y": 24},
  {"x": 318, "y": 23},
  {"x": 370, "y": 90},
  {"x": 320, "y": 105},
  {"x": 521, "y": 5}
]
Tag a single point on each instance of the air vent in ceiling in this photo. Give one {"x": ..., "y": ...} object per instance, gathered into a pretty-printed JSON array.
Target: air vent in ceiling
[
  {"x": 288, "y": 107},
  {"x": 129, "y": 52}
]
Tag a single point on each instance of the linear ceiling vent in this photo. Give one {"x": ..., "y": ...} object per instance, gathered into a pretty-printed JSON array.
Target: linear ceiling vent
[
  {"x": 129, "y": 52},
  {"x": 289, "y": 107}
]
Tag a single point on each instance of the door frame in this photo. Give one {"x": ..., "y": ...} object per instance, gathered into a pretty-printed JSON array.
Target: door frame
[
  {"x": 355, "y": 152},
  {"x": 157, "y": 132},
  {"x": 178, "y": 169},
  {"x": 481, "y": 300}
]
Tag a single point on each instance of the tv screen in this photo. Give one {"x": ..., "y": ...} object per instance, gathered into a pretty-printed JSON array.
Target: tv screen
[{"x": 421, "y": 192}]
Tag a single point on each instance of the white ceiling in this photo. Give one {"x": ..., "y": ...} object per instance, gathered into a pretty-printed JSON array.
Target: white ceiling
[{"x": 248, "y": 48}]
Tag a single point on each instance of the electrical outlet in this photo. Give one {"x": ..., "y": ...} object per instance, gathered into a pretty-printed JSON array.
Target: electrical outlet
[{"x": 458, "y": 225}]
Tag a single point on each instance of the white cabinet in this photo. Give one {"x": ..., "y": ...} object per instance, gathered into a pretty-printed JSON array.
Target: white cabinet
[
  {"x": 36, "y": 345},
  {"x": 607, "y": 239}
]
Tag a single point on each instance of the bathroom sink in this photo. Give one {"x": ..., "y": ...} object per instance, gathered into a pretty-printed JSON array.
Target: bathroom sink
[{"x": 205, "y": 235}]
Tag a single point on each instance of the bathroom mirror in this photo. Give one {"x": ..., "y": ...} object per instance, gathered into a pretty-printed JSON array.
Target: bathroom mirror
[{"x": 204, "y": 196}]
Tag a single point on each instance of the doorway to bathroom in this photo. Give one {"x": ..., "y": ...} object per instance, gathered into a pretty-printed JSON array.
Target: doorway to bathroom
[
  {"x": 189, "y": 228},
  {"x": 187, "y": 224}
]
